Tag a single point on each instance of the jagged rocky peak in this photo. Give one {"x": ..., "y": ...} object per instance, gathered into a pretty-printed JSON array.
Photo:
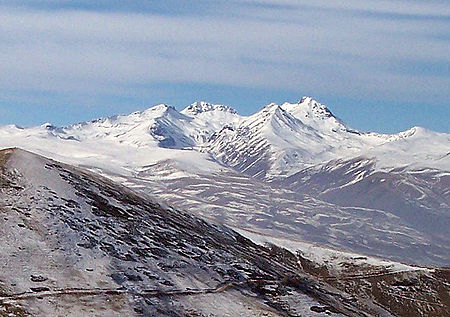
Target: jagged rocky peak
[
  {"x": 203, "y": 106},
  {"x": 271, "y": 107},
  {"x": 316, "y": 115},
  {"x": 308, "y": 107}
]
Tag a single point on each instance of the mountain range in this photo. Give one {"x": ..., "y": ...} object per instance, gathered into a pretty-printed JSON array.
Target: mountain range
[
  {"x": 293, "y": 170},
  {"x": 293, "y": 176}
]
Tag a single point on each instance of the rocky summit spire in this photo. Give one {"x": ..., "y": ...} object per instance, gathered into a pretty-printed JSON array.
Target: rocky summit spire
[{"x": 203, "y": 106}]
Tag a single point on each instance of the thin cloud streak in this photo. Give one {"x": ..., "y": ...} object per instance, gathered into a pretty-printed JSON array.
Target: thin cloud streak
[{"x": 400, "y": 7}]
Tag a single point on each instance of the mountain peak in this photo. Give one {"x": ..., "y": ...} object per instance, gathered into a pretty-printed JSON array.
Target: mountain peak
[
  {"x": 160, "y": 110},
  {"x": 415, "y": 131},
  {"x": 47, "y": 125},
  {"x": 203, "y": 106},
  {"x": 313, "y": 107},
  {"x": 156, "y": 109},
  {"x": 316, "y": 115},
  {"x": 269, "y": 111},
  {"x": 270, "y": 107}
]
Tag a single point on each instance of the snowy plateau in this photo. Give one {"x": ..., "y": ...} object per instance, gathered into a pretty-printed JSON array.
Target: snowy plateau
[{"x": 204, "y": 212}]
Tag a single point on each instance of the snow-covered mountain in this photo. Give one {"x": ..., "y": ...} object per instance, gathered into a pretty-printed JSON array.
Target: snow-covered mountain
[
  {"x": 281, "y": 140},
  {"x": 293, "y": 171},
  {"x": 284, "y": 139},
  {"x": 158, "y": 126}
]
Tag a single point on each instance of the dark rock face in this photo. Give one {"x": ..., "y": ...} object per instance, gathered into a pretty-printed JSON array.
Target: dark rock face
[
  {"x": 95, "y": 247},
  {"x": 38, "y": 278},
  {"x": 405, "y": 293}
]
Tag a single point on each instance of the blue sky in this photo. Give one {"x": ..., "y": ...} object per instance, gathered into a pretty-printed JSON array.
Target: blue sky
[{"x": 379, "y": 65}]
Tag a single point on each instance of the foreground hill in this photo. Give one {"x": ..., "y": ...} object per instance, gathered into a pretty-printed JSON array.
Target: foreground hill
[{"x": 75, "y": 244}]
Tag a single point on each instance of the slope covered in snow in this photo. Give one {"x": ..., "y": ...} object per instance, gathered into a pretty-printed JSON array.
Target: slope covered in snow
[
  {"x": 76, "y": 244},
  {"x": 293, "y": 170}
]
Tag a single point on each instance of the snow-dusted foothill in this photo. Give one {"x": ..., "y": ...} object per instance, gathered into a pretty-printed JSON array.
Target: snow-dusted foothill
[{"x": 76, "y": 244}]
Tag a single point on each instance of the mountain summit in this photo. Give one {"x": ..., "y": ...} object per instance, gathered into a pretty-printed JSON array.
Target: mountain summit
[
  {"x": 203, "y": 106},
  {"x": 316, "y": 115}
]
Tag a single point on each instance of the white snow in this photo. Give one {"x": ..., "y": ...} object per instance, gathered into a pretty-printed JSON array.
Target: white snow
[{"x": 332, "y": 259}]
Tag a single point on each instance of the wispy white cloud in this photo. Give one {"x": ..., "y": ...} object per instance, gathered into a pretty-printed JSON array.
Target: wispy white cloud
[
  {"x": 322, "y": 46},
  {"x": 401, "y": 7}
]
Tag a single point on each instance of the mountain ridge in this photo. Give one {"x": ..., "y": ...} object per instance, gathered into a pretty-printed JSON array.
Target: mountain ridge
[
  {"x": 273, "y": 173},
  {"x": 306, "y": 107}
]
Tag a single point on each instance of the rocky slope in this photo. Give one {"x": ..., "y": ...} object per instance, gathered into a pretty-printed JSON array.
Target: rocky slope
[{"x": 75, "y": 244}]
